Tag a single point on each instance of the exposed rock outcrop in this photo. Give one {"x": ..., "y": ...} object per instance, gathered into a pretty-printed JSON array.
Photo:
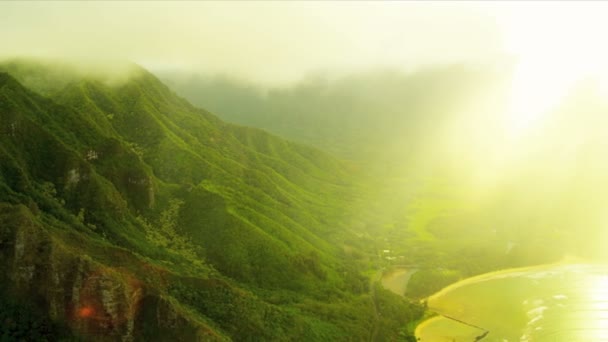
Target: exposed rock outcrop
[{"x": 91, "y": 298}]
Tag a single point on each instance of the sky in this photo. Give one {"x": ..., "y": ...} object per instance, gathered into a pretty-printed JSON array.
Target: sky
[
  {"x": 281, "y": 42},
  {"x": 260, "y": 41}
]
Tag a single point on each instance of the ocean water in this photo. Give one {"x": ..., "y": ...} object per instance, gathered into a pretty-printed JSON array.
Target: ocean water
[{"x": 558, "y": 302}]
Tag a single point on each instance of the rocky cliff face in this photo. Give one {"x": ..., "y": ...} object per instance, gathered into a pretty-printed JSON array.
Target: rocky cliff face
[{"x": 93, "y": 299}]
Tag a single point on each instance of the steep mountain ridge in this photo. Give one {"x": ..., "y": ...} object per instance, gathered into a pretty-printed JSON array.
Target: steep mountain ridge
[{"x": 225, "y": 231}]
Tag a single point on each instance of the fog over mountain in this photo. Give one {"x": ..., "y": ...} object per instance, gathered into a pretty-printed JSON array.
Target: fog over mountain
[{"x": 303, "y": 171}]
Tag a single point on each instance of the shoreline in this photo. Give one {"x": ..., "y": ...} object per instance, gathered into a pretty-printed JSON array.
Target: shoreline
[
  {"x": 535, "y": 271},
  {"x": 504, "y": 273}
]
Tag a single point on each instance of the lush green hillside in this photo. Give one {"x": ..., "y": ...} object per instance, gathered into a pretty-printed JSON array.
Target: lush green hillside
[{"x": 128, "y": 213}]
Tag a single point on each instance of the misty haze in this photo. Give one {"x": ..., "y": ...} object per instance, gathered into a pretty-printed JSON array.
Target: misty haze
[{"x": 303, "y": 171}]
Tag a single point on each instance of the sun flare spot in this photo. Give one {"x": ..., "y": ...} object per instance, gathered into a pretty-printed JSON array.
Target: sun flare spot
[{"x": 86, "y": 312}]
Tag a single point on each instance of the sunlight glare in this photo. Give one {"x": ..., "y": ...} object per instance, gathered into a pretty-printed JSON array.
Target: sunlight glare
[{"x": 555, "y": 48}]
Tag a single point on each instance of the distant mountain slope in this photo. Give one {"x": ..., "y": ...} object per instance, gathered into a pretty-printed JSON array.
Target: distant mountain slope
[
  {"x": 128, "y": 213},
  {"x": 378, "y": 114}
]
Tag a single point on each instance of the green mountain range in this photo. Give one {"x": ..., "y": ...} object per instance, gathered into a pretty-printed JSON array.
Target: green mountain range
[{"x": 126, "y": 213}]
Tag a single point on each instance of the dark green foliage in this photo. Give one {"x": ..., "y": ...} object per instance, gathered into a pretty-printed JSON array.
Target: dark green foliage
[
  {"x": 21, "y": 320},
  {"x": 426, "y": 282},
  {"x": 396, "y": 316},
  {"x": 240, "y": 314}
]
